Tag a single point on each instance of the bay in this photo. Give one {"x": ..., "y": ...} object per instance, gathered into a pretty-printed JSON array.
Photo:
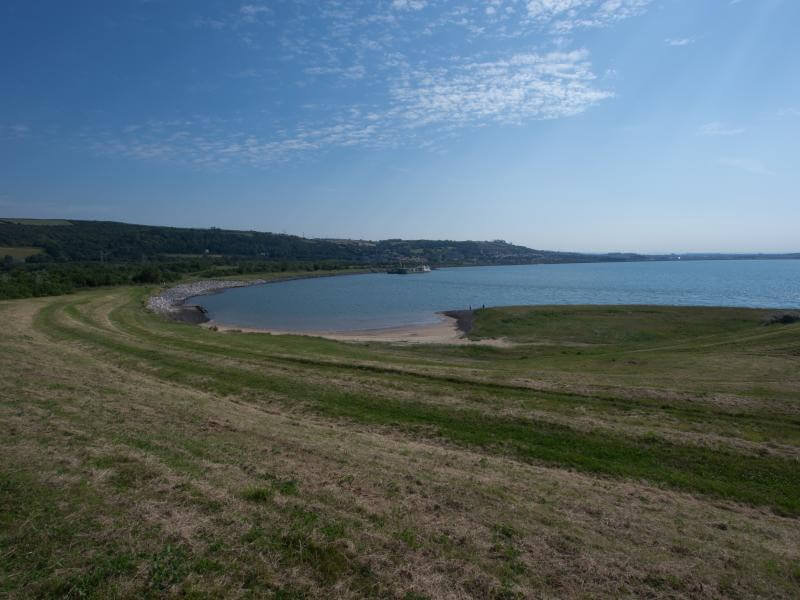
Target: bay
[{"x": 379, "y": 300}]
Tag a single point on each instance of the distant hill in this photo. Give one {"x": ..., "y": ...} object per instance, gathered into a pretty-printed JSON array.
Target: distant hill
[
  {"x": 63, "y": 240},
  {"x": 68, "y": 240}
]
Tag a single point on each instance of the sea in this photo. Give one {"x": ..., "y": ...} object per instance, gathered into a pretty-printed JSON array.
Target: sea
[{"x": 379, "y": 300}]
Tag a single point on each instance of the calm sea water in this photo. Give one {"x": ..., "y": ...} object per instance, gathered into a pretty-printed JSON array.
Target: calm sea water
[{"x": 379, "y": 300}]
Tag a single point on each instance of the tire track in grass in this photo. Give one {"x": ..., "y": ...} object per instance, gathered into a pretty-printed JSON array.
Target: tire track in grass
[
  {"x": 774, "y": 425},
  {"x": 765, "y": 481}
]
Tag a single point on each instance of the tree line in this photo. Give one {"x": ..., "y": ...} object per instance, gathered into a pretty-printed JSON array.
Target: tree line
[
  {"x": 109, "y": 241},
  {"x": 83, "y": 254},
  {"x": 51, "y": 279}
]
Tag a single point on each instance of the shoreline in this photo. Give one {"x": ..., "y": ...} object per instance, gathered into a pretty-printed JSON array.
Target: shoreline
[
  {"x": 171, "y": 302},
  {"x": 447, "y": 331},
  {"x": 452, "y": 329}
]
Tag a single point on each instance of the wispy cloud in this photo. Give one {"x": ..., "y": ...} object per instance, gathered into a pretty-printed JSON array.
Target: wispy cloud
[
  {"x": 15, "y": 131},
  {"x": 251, "y": 12},
  {"x": 514, "y": 90},
  {"x": 716, "y": 128},
  {"x": 678, "y": 42},
  {"x": 568, "y": 15},
  {"x": 247, "y": 15},
  {"x": 423, "y": 105},
  {"x": 408, "y": 4},
  {"x": 351, "y": 72},
  {"x": 500, "y": 18},
  {"x": 789, "y": 112},
  {"x": 386, "y": 74},
  {"x": 204, "y": 144},
  {"x": 753, "y": 166}
]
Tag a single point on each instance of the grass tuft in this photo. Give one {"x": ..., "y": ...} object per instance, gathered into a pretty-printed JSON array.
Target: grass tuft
[{"x": 258, "y": 494}]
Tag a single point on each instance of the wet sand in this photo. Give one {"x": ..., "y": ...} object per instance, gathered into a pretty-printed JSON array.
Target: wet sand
[{"x": 445, "y": 332}]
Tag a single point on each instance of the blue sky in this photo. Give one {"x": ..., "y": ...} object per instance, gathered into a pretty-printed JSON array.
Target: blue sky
[{"x": 591, "y": 125}]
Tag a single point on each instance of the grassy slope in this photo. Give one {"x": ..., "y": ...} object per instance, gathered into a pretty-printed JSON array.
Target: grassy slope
[{"x": 614, "y": 451}]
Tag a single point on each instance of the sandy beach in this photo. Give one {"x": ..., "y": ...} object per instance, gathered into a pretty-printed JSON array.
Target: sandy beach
[{"x": 444, "y": 332}]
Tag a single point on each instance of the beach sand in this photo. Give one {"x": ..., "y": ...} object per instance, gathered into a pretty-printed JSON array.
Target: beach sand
[{"x": 444, "y": 332}]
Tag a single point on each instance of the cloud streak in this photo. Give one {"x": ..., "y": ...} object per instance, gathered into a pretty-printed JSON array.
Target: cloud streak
[
  {"x": 515, "y": 90},
  {"x": 408, "y": 4},
  {"x": 716, "y": 129},
  {"x": 15, "y": 131},
  {"x": 563, "y": 16},
  {"x": 384, "y": 74},
  {"x": 423, "y": 105},
  {"x": 679, "y": 42},
  {"x": 789, "y": 112}
]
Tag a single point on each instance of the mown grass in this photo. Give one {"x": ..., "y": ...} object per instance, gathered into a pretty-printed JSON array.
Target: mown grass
[
  {"x": 696, "y": 352},
  {"x": 37, "y": 521},
  {"x": 144, "y": 458},
  {"x": 608, "y": 326},
  {"x": 769, "y": 481},
  {"x": 772, "y": 482}
]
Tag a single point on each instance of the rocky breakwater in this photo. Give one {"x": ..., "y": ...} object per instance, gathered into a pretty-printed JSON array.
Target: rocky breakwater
[{"x": 172, "y": 302}]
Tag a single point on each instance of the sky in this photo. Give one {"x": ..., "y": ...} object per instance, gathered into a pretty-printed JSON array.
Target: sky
[{"x": 585, "y": 125}]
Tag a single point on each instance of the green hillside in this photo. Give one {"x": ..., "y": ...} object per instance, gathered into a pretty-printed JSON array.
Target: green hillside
[{"x": 112, "y": 241}]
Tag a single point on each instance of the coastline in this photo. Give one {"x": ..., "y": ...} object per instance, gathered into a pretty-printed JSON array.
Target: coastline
[
  {"x": 171, "y": 302},
  {"x": 447, "y": 331},
  {"x": 452, "y": 328}
]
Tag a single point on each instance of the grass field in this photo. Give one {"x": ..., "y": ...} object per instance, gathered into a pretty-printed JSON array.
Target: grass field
[
  {"x": 611, "y": 452},
  {"x": 19, "y": 252}
]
